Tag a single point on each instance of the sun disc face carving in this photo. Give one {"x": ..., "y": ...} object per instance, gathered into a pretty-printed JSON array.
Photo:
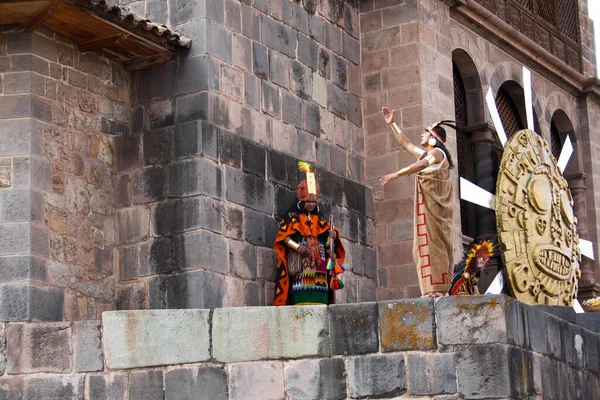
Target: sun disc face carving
[{"x": 534, "y": 211}]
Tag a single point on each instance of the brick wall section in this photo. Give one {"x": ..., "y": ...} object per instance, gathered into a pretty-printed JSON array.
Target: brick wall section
[
  {"x": 57, "y": 175},
  {"x": 342, "y": 351},
  {"x": 217, "y": 134},
  {"x": 407, "y": 66}
]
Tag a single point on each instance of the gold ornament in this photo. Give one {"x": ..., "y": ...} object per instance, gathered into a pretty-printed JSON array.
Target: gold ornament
[{"x": 535, "y": 221}]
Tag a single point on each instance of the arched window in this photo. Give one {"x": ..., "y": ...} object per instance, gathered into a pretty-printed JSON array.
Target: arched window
[{"x": 464, "y": 154}]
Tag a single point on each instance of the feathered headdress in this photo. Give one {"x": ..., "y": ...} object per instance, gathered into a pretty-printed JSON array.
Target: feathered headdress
[
  {"x": 436, "y": 129},
  {"x": 467, "y": 272},
  {"x": 308, "y": 189}
]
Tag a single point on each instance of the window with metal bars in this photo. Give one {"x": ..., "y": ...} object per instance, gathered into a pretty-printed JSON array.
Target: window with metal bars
[
  {"x": 464, "y": 154},
  {"x": 555, "y": 142}
]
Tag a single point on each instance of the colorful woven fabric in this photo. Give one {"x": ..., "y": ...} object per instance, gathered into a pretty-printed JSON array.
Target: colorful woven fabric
[{"x": 307, "y": 284}]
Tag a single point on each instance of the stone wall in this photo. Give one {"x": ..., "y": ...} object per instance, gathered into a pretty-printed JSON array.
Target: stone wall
[
  {"x": 458, "y": 347},
  {"x": 217, "y": 133},
  {"x": 58, "y": 111}
]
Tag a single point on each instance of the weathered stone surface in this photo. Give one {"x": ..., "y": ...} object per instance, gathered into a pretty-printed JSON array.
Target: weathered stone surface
[
  {"x": 194, "y": 176},
  {"x": 482, "y": 371},
  {"x": 429, "y": 374},
  {"x": 249, "y": 190},
  {"x": 87, "y": 343},
  {"x": 156, "y": 257},
  {"x": 242, "y": 259},
  {"x": 205, "y": 383},
  {"x": 316, "y": 379},
  {"x": 68, "y": 387},
  {"x": 133, "y": 224},
  {"x": 407, "y": 325},
  {"x": 354, "y": 328},
  {"x": 131, "y": 296},
  {"x": 182, "y": 215},
  {"x": 25, "y": 302},
  {"x": 190, "y": 251},
  {"x": 195, "y": 138},
  {"x": 264, "y": 380},
  {"x": 111, "y": 386},
  {"x": 197, "y": 289},
  {"x": 39, "y": 348},
  {"x": 376, "y": 376},
  {"x": 483, "y": 316},
  {"x": 146, "y": 385},
  {"x": 235, "y": 329},
  {"x": 159, "y": 337}
]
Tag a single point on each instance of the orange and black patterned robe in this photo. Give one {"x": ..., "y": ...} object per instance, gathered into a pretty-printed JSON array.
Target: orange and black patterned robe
[{"x": 309, "y": 284}]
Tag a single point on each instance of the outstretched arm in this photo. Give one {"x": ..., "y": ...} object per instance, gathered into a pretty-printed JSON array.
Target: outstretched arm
[
  {"x": 401, "y": 137},
  {"x": 433, "y": 157}
]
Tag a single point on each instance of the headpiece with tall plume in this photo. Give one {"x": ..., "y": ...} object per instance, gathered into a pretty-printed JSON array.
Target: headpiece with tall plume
[{"x": 308, "y": 189}]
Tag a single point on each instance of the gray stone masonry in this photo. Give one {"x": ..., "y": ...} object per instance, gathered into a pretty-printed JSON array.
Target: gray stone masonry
[{"x": 288, "y": 352}]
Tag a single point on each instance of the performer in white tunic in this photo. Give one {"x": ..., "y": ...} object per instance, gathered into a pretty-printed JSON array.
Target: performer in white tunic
[{"x": 433, "y": 245}]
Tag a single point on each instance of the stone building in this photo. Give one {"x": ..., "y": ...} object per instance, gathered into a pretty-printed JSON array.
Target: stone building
[
  {"x": 144, "y": 166},
  {"x": 147, "y": 149}
]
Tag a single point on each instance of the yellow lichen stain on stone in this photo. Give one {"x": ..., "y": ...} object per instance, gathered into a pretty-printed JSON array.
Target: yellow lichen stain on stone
[{"x": 396, "y": 333}]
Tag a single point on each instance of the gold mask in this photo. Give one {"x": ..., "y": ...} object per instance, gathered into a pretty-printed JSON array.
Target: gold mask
[{"x": 535, "y": 220}]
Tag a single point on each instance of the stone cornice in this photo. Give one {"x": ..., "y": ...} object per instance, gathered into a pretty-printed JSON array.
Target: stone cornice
[{"x": 578, "y": 84}]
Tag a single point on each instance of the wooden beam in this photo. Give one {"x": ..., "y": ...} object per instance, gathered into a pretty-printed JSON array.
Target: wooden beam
[
  {"x": 146, "y": 62},
  {"x": 98, "y": 43},
  {"x": 40, "y": 16}
]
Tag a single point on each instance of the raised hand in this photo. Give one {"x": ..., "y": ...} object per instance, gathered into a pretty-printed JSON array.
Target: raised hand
[{"x": 388, "y": 115}]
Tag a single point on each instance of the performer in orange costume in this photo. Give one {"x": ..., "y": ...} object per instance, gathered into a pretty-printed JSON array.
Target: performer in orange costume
[{"x": 301, "y": 246}]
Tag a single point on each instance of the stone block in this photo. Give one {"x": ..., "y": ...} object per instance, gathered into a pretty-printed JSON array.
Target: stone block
[
  {"x": 324, "y": 64},
  {"x": 295, "y": 16},
  {"x": 249, "y": 190},
  {"x": 235, "y": 331},
  {"x": 205, "y": 383},
  {"x": 354, "y": 110},
  {"x": 308, "y": 51},
  {"x": 69, "y": 387},
  {"x": 339, "y": 72},
  {"x": 146, "y": 385},
  {"x": 230, "y": 148},
  {"x": 353, "y": 328},
  {"x": 191, "y": 107},
  {"x": 483, "y": 316},
  {"x": 429, "y": 374},
  {"x": 565, "y": 313},
  {"x": 157, "y": 292},
  {"x": 15, "y": 136},
  {"x": 127, "y": 152},
  {"x": 250, "y": 22},
  {"x": 264, "y": 380},
  {"x": 195, "y": 138},
  {"x": 254, "y": 294},
  {"x": 131, "y": 296},
  {"x": 190, "y": 251},
  {"x": 242, "y": 259},
  {"x": 482, "y": 371},
  {"x": 271, "y": 99},
  {"x": 253, "y": 158},
  {"x": 589, "y": 321},
  {"x": 367, "y": 290},
  {"x": 234, "y": 222},
  {"x": 198, "y": 289},
  {"x": 260, "y": 58},
  {"x": 407, "y": 325},
  {"x": 316, "y": 379},
  {"x": 292, "y": 110},
  {"x": 337, "y": 101},
  {"x": 128, "y": 263},
  {"x": 182, "y": 11},
  {"x": 133, "y": 224},
  {"x": 278, "y": 36},
  {"x": 87, "y": 343},
  {"x": 113, "y": 127},
  {"x": 312, "y": 118},
  {"x": 260, "y": 229},
  {"x": 252, "y": 91},
  {"x": 156, "y": 257},
  {"x": 232, "y": 83},
  {"x": 194, "y": 176},
  {"x": 33, "y": 348},
  {"x": 149, "y": 185},
  {"x": 279, "y": 69},
  {"x": 135, "y": 339},
  {"x": 158, "y": 146},
  {"x": 25, "y": 302},
  {"x": 110, "y": 386},
  {"x": 376, "y": 376}
]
